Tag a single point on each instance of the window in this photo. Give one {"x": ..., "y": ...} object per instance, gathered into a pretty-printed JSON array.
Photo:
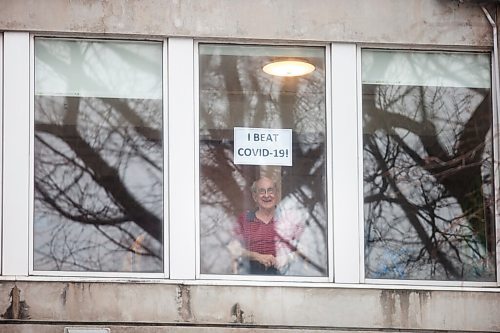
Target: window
[
  {"x": 262, "y": 162},
  {"x": 98, "y": 156},
  {"x": 428, "y": 166},
  {"x": 266, "y": 179}
]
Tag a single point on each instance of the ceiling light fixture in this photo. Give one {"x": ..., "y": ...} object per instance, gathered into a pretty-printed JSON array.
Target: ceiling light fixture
[{"x": 294, "y": 67}]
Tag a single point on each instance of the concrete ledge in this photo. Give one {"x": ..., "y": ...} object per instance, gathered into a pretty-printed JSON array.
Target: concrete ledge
[
  {"x": 316, "y": 308},
  {"x": 59, "y": 327}
]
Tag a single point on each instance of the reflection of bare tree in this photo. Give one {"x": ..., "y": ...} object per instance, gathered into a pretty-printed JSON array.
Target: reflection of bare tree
[
  {"x": 82, "y": 177},
  {"x": 98, "y": 182},
  {"x": 428, "y": 183},
  {"x": 235, "y": 92}
]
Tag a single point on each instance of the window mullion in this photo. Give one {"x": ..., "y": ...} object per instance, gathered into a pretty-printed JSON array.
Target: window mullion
[
  {"x": 16, "y": 142},
  {"x": 181, "y": 137},
  {"x": 345, "y": 165}
]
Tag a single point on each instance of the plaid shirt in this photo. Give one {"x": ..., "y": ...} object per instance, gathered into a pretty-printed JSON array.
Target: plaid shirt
[{"x": 256, "y": 235}]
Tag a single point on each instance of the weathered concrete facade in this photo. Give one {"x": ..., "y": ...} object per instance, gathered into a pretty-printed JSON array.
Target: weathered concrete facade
[
  {"x": 197, "y": 305},
  {"x": 175, "y": 306},
  {"x": 415, "y": 22}
]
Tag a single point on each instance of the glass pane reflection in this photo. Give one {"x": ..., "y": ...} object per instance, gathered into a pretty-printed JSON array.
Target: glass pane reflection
[
  {"x": 428, "y": 169},
  {"x": 235, "y": 92},
  {"x": 98, "y": 157}
]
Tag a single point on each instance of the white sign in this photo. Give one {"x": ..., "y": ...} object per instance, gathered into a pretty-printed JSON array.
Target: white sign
[{"x": 262, "y": 146}]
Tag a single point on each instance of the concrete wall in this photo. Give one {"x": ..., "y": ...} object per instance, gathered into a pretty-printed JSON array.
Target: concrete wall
[
  {"x": 164, "y": 307},
  {"x": 213, "y": 307},
  {"x": 423, "y": 22}
]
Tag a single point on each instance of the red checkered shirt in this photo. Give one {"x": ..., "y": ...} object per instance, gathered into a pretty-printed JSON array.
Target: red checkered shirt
[{"x": 256, "y": 235}]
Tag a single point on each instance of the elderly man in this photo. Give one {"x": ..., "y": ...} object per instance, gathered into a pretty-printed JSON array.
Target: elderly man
[{"x": 259, "y": 231}]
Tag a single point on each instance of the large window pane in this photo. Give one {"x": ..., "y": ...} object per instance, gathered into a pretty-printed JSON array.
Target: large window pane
[
  {"x": 428, "y": 166},
  {"x": 98, "y": 156},
  {"x": 271, "y": 130}
]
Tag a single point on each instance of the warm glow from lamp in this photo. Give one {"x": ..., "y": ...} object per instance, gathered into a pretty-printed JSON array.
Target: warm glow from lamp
[{"x": 288, "y": 68}]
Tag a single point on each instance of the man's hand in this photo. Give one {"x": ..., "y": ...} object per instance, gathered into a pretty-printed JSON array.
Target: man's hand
[{"x": 267, "y": 260}]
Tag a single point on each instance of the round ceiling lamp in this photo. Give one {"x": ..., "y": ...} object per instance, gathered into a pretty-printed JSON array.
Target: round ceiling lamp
[{"x": 288, "y": 68}]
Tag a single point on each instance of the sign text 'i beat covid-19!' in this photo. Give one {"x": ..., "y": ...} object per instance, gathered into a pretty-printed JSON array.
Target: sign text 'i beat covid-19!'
[{"x": 262, "y": 146}]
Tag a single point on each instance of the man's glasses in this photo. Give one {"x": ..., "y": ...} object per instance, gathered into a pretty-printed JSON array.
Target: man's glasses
[{"x": 268, "y": 191}]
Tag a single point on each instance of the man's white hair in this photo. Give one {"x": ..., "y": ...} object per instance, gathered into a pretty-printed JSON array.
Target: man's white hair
[{"x": 254, "y": 184}]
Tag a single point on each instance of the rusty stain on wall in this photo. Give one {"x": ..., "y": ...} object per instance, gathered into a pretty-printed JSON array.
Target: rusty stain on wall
[
  {"x": 388, "y": 306},
  {"x": 237, "y": 314},
  {"x": 395, "y": 306},
  {"x": 183, "y": 300},
  {"x": 64, "y": 294},
  {"x": 17, "y": 309}
]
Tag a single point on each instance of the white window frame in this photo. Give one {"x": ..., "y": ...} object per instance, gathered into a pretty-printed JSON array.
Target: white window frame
[
  {"x": 495, "y": 93},
  {"x": 30, "y": 197},
  {"x": 1, "y": 145},
  {"x": 328, "y": 120},
  {"x": 443, "y": 283},
  {"x": 16, "y": 132},
  {"x": 182, "y": 190},
  {"x": 181, "y": 170},
  {"x": 346, "y": 184}
]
